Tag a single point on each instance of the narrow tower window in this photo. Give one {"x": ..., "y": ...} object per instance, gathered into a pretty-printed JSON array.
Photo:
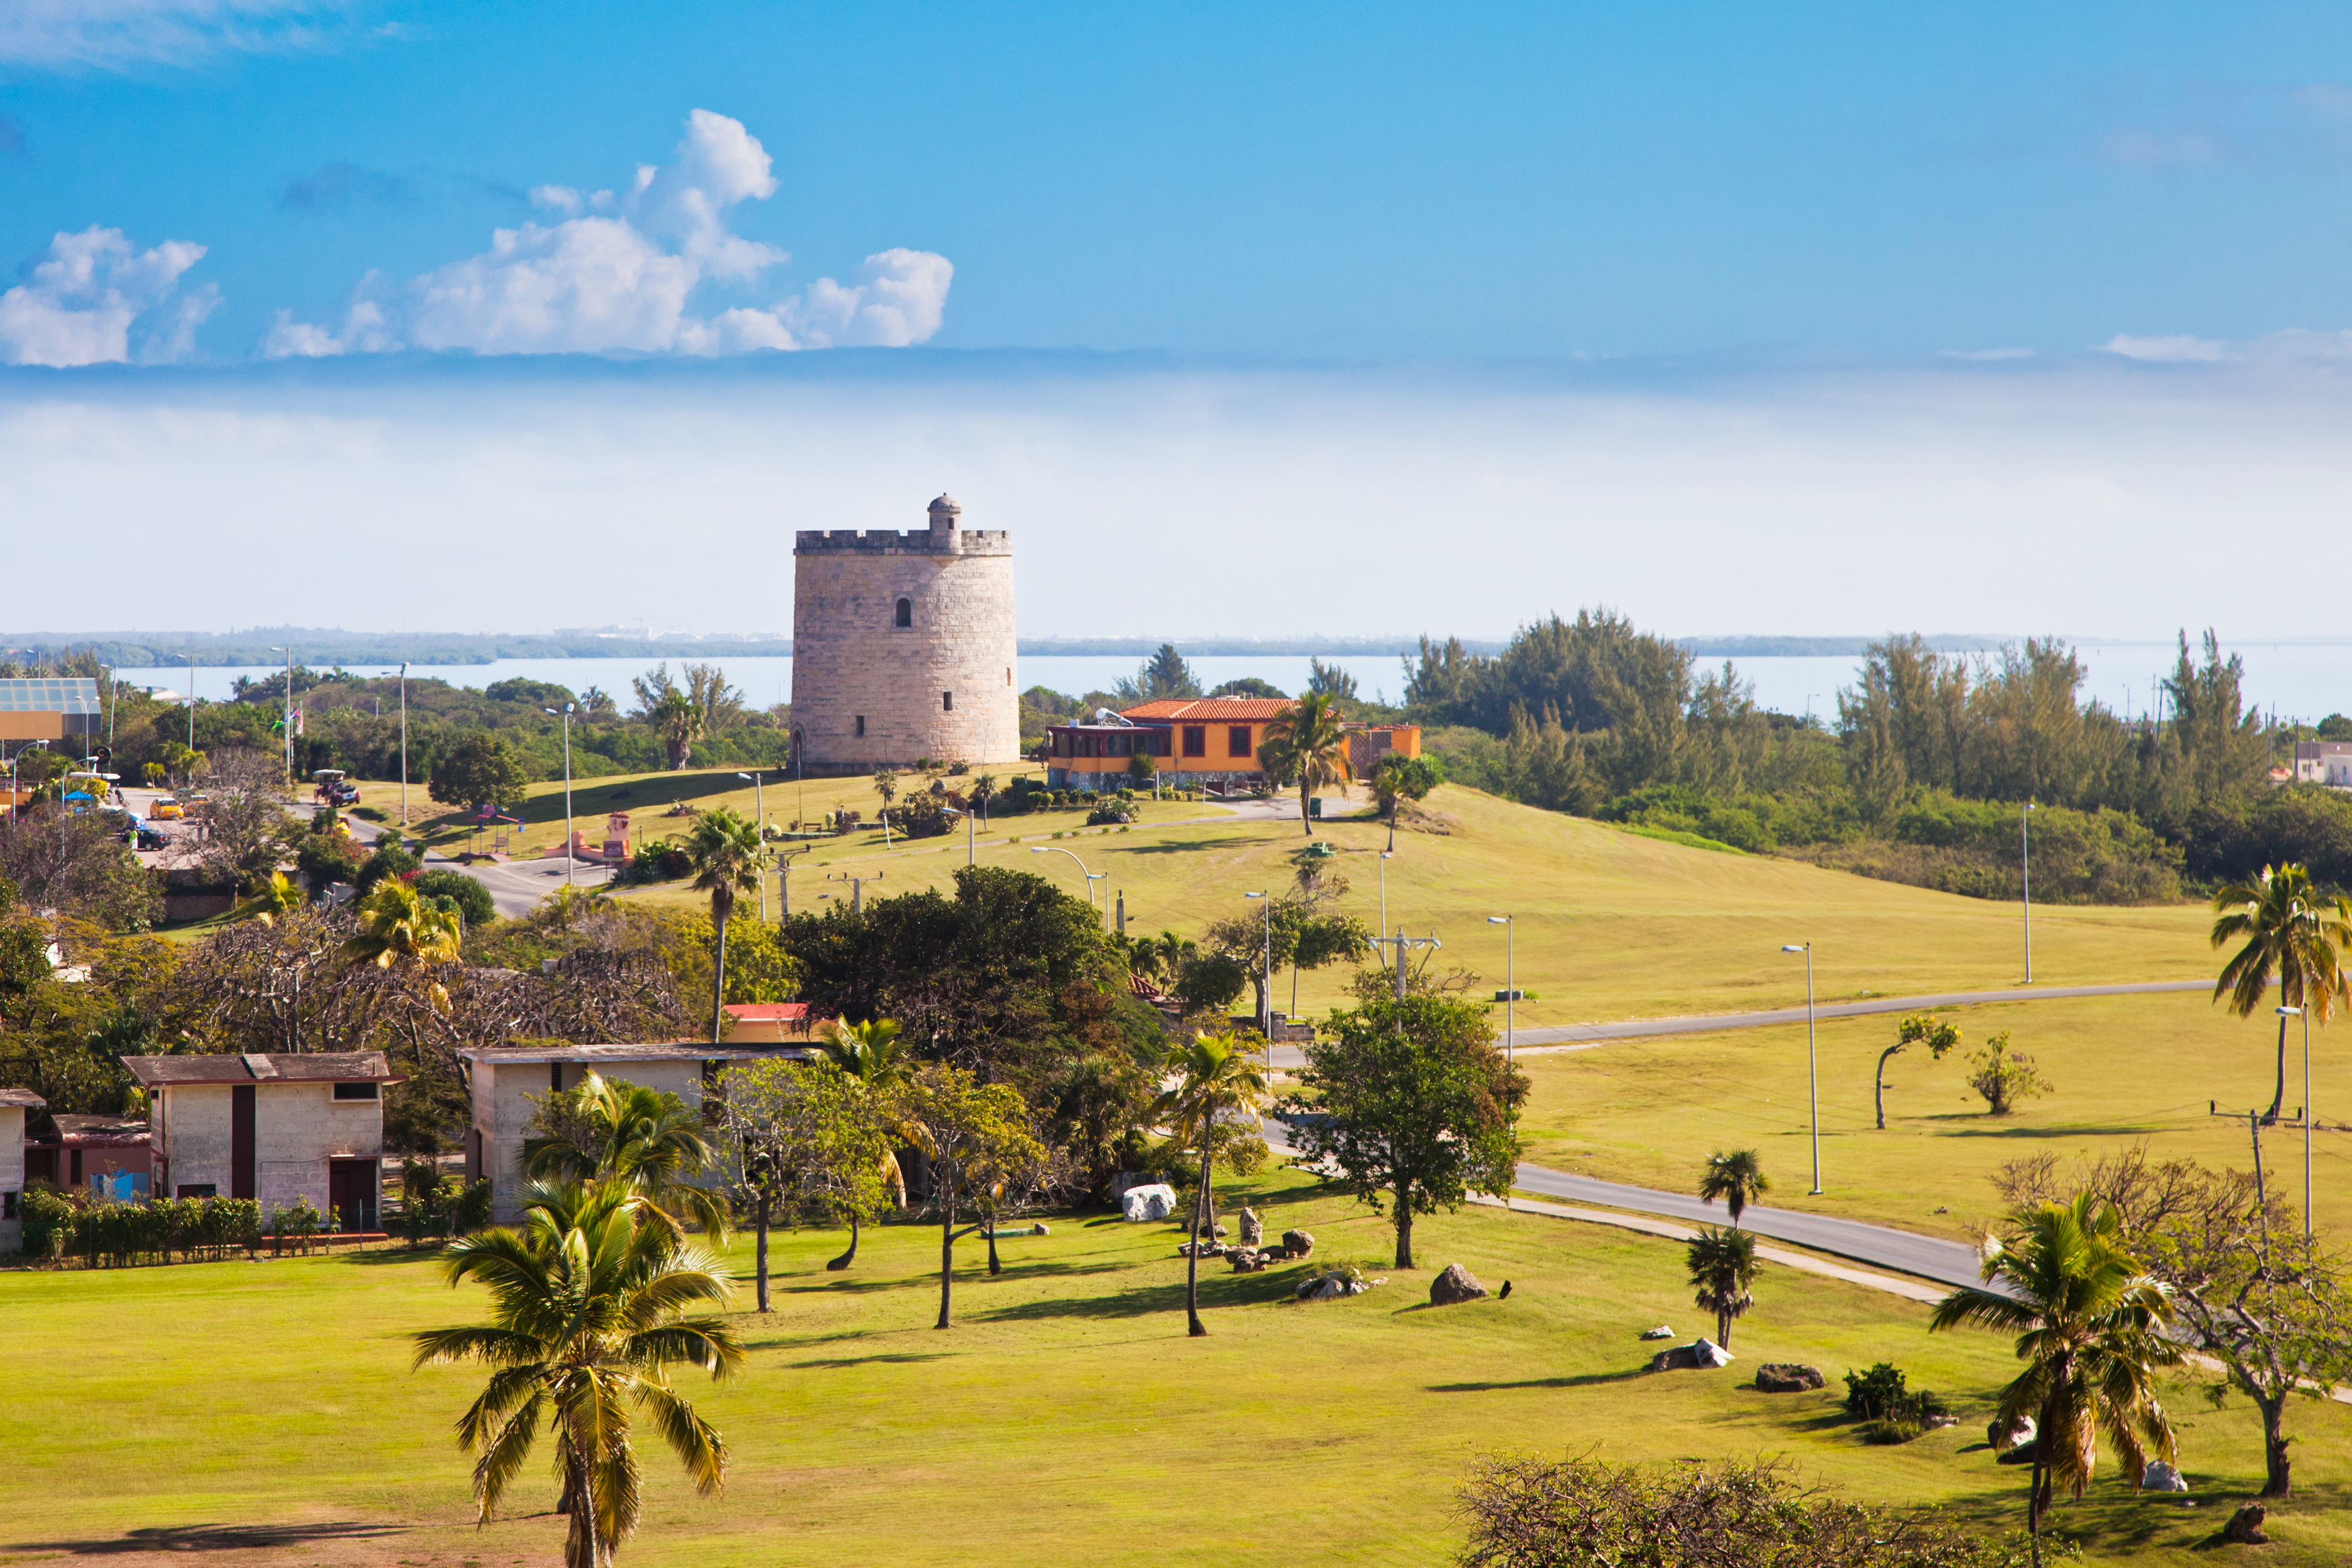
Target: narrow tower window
[
  {"x": 861, "y": 726},
  {"x": 905, "y": 613},
  {"x": 947, "y": 701}
]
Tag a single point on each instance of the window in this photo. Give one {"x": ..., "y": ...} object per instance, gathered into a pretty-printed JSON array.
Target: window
[
  {"x": 906, "y": 616},
  {"x": 947, "y": 701},
  {"x": 861, "y": 726},
  {"x": 1008, "y": 674},
  {"x": 196, "y": 1190},
  {"x": 8, "y": 1205},
  {"x": 355, "y": 1091},
  {"x": 1122, "y": 745},
  {"x": 1237, "y": 741},
  {"x": 1196, "y": 739}
]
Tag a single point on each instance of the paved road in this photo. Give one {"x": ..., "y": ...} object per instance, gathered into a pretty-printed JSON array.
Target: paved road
[{"x": 1579, "y": 1037}]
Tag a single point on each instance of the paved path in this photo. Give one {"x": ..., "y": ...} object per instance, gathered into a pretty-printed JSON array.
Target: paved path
[{"x": 1552, "y": 1039}]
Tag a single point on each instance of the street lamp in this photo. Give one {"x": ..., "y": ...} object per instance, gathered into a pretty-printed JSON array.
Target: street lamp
[
  {"x": 1511, "y": 990},
  {"x": 2299, "y": 1013},
  {"x": 1091, "y": 877},
  {"x": 288, "y": 720},
  {"x": 1385, "y": 887},
  {"x": 759, "y": 799},
  {"x": 566, "y": 717},
  {"x": 783, "y": 882},
  {"x": 1812, "y": 1071},
  {"x": 2025, "y": 868}
]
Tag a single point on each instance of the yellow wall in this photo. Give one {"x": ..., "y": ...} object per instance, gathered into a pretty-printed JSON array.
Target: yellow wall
[{"x": 32, "y": 726}]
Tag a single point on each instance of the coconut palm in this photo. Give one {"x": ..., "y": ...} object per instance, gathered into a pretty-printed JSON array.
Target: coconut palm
[
  {"x": 2292, "y": 934},
  {"x": 677, "y": 720},
  {"x": 1309, "y": 743},
  {"x": 1723, "y": 1270},
  {"x": 645, "y": 1141},
  {"x": 588, "y": 1314},
  {"x": 397, "y": 924},
  {"x": 873, "y": 1054},
  {"x": 1217, "y": 1082},
  {"x": 2090, "y": 1329},
  {"x": 726, "y": 855},
  {"x": 982, "y": 790},
  {"x": 1736, "y": 1178}
]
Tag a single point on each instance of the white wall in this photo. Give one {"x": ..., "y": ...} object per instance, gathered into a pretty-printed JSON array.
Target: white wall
[
  {"x": 298, "y": 1128},
  {"x": 502, "y": 1111}
]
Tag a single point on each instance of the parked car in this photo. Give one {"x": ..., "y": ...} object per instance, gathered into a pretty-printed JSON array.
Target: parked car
[{"x": 165, "y": 810}]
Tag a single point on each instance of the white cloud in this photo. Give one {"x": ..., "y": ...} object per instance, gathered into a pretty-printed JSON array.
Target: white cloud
[
  {"x": 111, "y": 34},
  {"x": 91, "y": 291},
  {"x": 617, "y": 274},
  {"x": 2167, "y": 350}
]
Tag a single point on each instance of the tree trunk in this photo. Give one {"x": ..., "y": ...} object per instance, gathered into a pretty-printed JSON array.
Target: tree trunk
[
  {"x": 1192, "y": 1325},
  {"x": 2275, "y": 1464},
  {"x": 1393, "y": 816},
  {"x": 850, "y": 1256},
  {"x": 2278, "y": 1095},
  {"x": 1878, "y": 1089},
  {"x": 1723, "y": 1329},
  {"x": 1403, "y": 1224},
  {"x": 994, "y": 1267},
  {"x": 579, "y": 1540},
  {"x": 760, "y": 1251},
  {"x": 947, "y": 1241},
  {"x": 1303, "y": 820}
]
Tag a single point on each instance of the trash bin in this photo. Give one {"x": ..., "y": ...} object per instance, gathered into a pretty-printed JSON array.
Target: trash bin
[{"x": 1315, "y": 805}]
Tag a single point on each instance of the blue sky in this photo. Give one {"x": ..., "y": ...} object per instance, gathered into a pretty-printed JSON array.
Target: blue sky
[
  {"x": 1320, "y": 181},
  {"x": 1804, "y": 319}
]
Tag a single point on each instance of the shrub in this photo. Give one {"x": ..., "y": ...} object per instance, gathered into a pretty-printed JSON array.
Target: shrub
[
  {"x": 120, "y": 1236},
  {"x": 1891, "y": 1413},
  {"x": 920, "y": 817},
  {"x": 2004, "y": 1078},
  {"x": 1120, "y": 812},
  {"x": 454, "y": 889}
]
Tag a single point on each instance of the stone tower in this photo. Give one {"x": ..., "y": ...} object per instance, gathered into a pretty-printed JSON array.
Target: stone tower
[{"x": 903, "y": 645}]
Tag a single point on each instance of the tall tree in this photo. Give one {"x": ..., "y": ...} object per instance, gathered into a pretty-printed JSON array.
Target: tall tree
[
  {"x": 1412, "y": 1104},
  {"x": 873, "y": 1054},
  {"x": 805, "y": 1139},
  {"x": 1737, "y": 1179},
  {"x": 1217, "y": 1084},
  {"x": 728, "y": 858},
  {"x": 1938, "y": 1034},
  {"x": 2090, "y": 1323},
  {"x": 2293, "y": 935},
  {"x": 1162, "y": 677},
  {"x": 482, "y": 770},
  {"x": 1308, "y": 745},
  {"x": 628, "y": 1136},
  {"x": 1723, "y": 1270},
  {"x": 1397, "y": 778},
  {"x": 589, "y": 1312},
  {"x": 970, "y": 1132}
]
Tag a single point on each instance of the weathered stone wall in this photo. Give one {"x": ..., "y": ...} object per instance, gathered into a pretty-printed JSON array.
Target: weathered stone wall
[
  {"x": 298, "y": 1128},
  {"x": 944, "y": 686}
]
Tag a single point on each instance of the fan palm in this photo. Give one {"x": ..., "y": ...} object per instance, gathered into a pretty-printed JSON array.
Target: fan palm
[
  {"x": 1723, "y": 1270},
  {"x": 588, "y": 1315},
  {"x": 2090, "y": 1328},
  {"x": 1736, "y": 1178},
  {"x": 645, "y": 1142},
  {"x": 873, "y": 1054},
  {"x": 1309, "y": 742},
  {"x": 2292, "y": 934},
  {"x": 726, "y": 855},
  {"x": 1217, "y": 1079}
]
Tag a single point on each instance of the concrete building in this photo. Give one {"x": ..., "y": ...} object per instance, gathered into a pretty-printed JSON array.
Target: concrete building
[
  {"x": 14, "y": 1104},
  {"x": 111, "y": 1154},
  {"x": 273, "y": 1128},
  {"x": 903, "y": 647},
  {"x": 504, "y": 1079},
  {"x": 2325, "y": 763}
]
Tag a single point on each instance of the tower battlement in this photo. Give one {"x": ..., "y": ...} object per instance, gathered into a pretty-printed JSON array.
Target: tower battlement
[{"x": 913, "y": 541}]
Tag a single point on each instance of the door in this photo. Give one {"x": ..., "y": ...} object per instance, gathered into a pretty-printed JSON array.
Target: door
[
  {"x": 351, "y": 1194},
  {"x": 240, "y": 1142}
]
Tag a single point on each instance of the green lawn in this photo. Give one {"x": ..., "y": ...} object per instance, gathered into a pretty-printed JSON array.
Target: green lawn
[
  {"x": 2125, "y": 1069},
  {"x": 1610, "y": 924},
  {"x": 1066, "y": 1420}
]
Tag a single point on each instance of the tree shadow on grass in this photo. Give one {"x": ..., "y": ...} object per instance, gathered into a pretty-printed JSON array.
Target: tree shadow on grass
[
  {"x": 1185, "y": 847},
  {"x": 215, "y": 1538},
  {"x": 1217, "y": 1291},
  {"x": 836, "y": 1361},
  {"x": 1576, "y": 1380}
]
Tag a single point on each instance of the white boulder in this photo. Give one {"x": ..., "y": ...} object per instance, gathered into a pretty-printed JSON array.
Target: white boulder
[
  {"x": 2160, "y": 1477},
  {"x": 1141, "y": 1204}
]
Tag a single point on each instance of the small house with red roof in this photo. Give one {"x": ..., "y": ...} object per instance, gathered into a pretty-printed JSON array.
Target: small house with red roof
[{"x": 1196, "y": 741}]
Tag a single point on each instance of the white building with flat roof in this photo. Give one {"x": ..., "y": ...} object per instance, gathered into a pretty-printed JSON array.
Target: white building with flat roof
[
  {"x": 504, "y": 1079},
  {"x": 275, "y": 1127},
  {"x": 2325, "y": 763}
]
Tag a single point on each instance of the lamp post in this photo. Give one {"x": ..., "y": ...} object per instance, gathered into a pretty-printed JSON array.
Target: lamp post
[
  {"x": 566, "y": 717},
  {"x": 1091, "y": 877},
  {"x": 2025, "y": 869},
  {"x": 1813, "y": 1070},
  {"x": 1385, "y": 887},
  {"x": 2300, "y": 1013},
  {"x": 192, "y": 703},
  {"x": 1510, "y": 987},
  {"x": 758, "y": 800},
  {"x": 288, "y": 718},
  {"x": 784, "y": 880}
]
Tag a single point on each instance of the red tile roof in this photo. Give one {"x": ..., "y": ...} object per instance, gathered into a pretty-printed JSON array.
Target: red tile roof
[
  {"x": 1214, "y": 709},
  {"x": 765, "y": 1012}
]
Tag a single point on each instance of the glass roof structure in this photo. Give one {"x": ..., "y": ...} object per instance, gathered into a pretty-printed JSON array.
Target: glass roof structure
[{"x": 45, "y": 694}]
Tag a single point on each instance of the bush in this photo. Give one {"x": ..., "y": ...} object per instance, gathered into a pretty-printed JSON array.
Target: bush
[
  {"x": 921, "y": 816},
  {"x": 389, "y": 860},
  {"x": 2004, "y": 1078},
  {"x": 120, "y": 1236},
  {"x": 1111, "y": 814},
  {"x": 456, "y": 890},
  {"x": 1891, "y": 1413}
]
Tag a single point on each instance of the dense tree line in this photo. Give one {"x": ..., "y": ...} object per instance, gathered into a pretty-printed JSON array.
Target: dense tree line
[{"x": 1919, "y": 775}]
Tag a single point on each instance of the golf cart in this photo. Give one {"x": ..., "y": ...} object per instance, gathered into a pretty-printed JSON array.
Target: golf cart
[{"x": 333, "y": 789}]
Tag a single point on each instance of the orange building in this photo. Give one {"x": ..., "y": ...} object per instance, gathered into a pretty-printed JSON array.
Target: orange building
[{"x": 1196, "y": 741}]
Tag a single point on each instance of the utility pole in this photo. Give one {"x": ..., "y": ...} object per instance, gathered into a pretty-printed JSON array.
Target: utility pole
[
  {"x": 566, "y": 717},
  {"x": 2025, "y": 868},
  {"x": 1813, "y": 1070},
  {"x": 192, "y": 704},
  {"x": 404, "y": 743}
]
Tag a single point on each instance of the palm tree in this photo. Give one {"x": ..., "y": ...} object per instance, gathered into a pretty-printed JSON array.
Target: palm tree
[
  {"x": 885, "y": 784},
  {"x": 588, "y": 1315},
  {"x": 2293, "y": 934},
  {"x": 2090, "y": 1329},
  {"x": 1723, "y": 1270},
  {"x": 873, "y": 1054},
  {"x": 1309, "y": 742},
  {"x": 677, "y": 720},
  {"x": 725, "y": 851},
  {"x": 644, "y": 1141},
  {"x": 1217, "y": 1080},
  {"x": 396, "y": 923},
  {"x": 1736, "y": 1178},
  {"x": 982, "y": 789}
]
